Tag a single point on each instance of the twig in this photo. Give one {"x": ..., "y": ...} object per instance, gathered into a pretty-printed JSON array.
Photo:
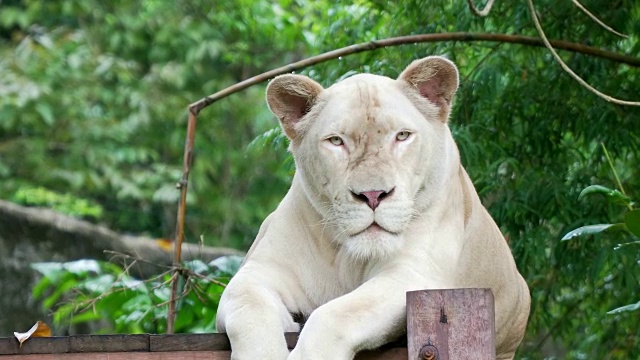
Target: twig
[
  {"x": 182, "y": 205},
  {"x": 595, "y": 18},
  {"x": 84, "y": 305},
  {"x": 178, "y": 297},
  {"x": 214, "y": 281},
  {"x": 482, "y": 13},
  {"x": 116, "y": 254},
  {"x": 164, "y": 283},
  {"x": 111, "y": 289},
  {"x": 198, "y": 291},
  {"x": 567, "y": 69},
  {"x": 615, "y": 173}
]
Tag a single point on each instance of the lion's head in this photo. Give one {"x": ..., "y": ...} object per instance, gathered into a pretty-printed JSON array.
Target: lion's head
[{"x": 372, "y": 152}]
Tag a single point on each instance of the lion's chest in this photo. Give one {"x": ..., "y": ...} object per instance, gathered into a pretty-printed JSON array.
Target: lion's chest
[{"x": 326, "y": 279}]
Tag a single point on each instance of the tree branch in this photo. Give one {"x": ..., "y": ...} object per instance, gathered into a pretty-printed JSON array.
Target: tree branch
[
  {"x": 567, "y": 69},
  {"x": 482, "y": 13},
  {"x": 196, "y": 107},
  {"x": 595, "y": 18}
]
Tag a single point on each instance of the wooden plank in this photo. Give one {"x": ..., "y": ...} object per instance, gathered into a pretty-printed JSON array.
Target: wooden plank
[
  {"x": 451, "y": 324},
  {"x": 49, "y": 345},
  {"x": 171, "y": 355},
  {"x": 108, "y": 343},
  {"x": 76, "y": 346},
  {"x": 218, "y": 342},
  {"x": 387, "y": 354},
  {"x": 189, "y": 342}
]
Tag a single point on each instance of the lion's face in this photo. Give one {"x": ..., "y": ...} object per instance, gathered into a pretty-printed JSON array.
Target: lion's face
[{"x": 368, "y": 150}]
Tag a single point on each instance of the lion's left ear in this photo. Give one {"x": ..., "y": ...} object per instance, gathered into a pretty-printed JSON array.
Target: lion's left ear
[
  {"x": 436, "y": 79},
  {"x": 290, "y": 98}
]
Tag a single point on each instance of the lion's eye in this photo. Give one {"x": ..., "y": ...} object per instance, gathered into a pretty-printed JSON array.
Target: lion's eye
[
  {"x": 403, "y": 135},
  {"x": 336, "y": 140}
]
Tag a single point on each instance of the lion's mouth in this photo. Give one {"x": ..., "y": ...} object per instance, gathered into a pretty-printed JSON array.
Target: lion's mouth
[{"x": 374, "y": 228}]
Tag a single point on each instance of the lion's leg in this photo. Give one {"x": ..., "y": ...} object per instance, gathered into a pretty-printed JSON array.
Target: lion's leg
[
  {"x": 255, "y": 320},
  {"x": 366, "y": 318},
  {"x": 505, "y": 356}
]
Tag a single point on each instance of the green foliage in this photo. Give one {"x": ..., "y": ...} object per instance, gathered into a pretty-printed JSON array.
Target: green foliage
[
  {"x": 89, "y": 291},
  {"x": 630, "y": 223},
  {"x": 631, "y": 217},
  {"x": 93, "y": 103},
  {"x": 64, "y": 203}
]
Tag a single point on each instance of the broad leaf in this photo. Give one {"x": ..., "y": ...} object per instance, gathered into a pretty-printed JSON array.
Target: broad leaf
[
  {"x": 51, "y": 270},
  {"x": 80, "y": 267},
  {"x": 612, "y": 195},
  {"x": 632, "y": 220},
  {"x": 589, "y": 230},
  {"x": 228, "y": 264},
  {"x": 630, "y": 307}
]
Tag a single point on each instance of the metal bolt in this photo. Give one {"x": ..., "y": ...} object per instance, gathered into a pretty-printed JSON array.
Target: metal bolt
[{"x": 428, "y": 352}]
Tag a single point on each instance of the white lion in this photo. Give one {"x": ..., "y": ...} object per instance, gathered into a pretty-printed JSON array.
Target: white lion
[{"x": 379, "y": 205}]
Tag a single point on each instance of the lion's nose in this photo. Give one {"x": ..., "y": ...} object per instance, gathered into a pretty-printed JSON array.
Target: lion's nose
[{"x": 372, "y": 198}]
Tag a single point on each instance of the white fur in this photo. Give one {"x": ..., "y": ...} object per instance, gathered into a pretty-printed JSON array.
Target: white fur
[{"x": 318, "y": 253}]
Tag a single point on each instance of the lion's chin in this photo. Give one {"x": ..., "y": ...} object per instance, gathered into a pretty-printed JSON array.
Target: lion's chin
[{"x": 372, "y": 243}]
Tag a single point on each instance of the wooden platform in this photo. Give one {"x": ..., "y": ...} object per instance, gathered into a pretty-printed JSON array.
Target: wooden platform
[
  {"x": 149, "y": 347},
  {"x": 445, "y": 324}
]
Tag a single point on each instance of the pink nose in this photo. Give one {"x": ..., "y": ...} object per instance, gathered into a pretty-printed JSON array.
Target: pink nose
[{"x": 372, "y": 198}]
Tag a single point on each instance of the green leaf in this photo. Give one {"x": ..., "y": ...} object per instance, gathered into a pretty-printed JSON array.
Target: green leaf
[
  {"x": 162, "y": 294},
  {"x": 68, "y": 283},
  {"x": 184, "y": 319},
  {"x": 632, "y": 220},
  {"x": 46, "y": 112},
  {"x": 197, "y": 266},
  {"x": 132, "y": 284},
  {"x": 86, "y": 316},
  {"x": 630, "y": 307},
  {"x": 612, "y": 195},
  {"x": 98, "y": 285},
  {"x": 63, "y": 313},
  {"x": 40, "y": 287},
  {"x": 228, "y": 264},
  {"x": 82, "y": 267},
  {"x": 589, "y": 230},
  {"x": 51, "y": 270}
]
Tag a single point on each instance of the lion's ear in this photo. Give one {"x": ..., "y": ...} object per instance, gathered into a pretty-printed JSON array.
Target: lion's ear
[
  {"x": 436, "y": 79},
  {"x": 290, "y": 98}
]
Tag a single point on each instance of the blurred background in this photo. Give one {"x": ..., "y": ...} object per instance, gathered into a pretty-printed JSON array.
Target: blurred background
[{"x": 93, "y": 99}]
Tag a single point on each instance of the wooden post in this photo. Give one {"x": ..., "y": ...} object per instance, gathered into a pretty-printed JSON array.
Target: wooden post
[{"x": 451, "y": 324}]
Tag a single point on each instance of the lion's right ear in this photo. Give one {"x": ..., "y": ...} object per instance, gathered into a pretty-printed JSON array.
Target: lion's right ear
[{"x": 290, "y": 98}]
